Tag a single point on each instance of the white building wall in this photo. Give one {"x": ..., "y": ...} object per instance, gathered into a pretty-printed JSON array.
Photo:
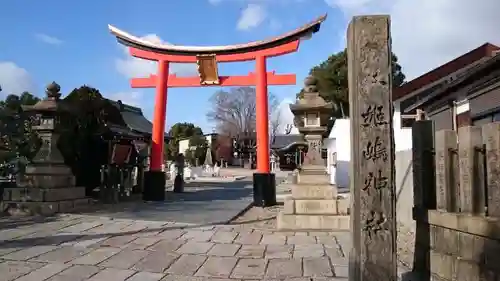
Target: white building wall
[
  {"x": 183, "y": 146},
  {"x": 342, "y": 146}
]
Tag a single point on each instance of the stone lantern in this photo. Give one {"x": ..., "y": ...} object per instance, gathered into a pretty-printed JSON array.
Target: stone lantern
[
  {"x": 48, "y": 185},
  {"x": 312, "y": 112},
  {"x": 49, "y": 115},
  {"x": 314, "y": 203}
]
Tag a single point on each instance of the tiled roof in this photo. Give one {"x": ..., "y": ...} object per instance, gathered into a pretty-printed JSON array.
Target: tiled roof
[
  {"x": 444, "y": 70},
  {"x": 281, "y": 141},
  {"x": 134, "y": 118}
]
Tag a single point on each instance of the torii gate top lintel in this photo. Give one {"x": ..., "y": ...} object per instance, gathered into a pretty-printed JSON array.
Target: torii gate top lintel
[
  {"x": 132, "y": 41},
  {"x": 208, "y": 57}
]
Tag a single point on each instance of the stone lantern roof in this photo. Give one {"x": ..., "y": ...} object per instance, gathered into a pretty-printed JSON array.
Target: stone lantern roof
[
  {"x": 52, "y": 102},
  {"x": 311, "y": 101}
]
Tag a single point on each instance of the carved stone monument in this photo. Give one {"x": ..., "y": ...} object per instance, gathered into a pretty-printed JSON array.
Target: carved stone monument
[
  {"x": 48, "y": 185},
  {"x": 314, "y": 204},
  {"x": 372, "y": 174}
]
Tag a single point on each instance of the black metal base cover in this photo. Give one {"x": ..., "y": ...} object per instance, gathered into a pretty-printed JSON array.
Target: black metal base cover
[
  {"x": 154, "y": 186},
  {"x": 178, "y": 184},
  {"x": 264, "y": 189}
]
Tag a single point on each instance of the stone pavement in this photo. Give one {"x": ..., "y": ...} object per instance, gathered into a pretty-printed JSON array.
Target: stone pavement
[
  {"x": 79, "y": 247},
  {"x": 207, "y": 203}
]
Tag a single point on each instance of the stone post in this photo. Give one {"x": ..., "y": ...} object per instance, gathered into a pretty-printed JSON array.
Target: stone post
[
  {"x": 373, "y": 201},
  {"x": 491, "y": 137}
]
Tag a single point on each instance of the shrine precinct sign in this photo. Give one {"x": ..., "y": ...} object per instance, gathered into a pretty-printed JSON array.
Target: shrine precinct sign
[{"x": 373, "y": 202}]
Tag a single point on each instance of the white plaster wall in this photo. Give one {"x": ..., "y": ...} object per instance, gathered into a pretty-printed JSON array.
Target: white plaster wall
[
  {"x": 402, "y": 136},
  {"x": 183, "y": 146},
  {"x": 341, "y": 133},
  {"x": 209, "y": 140},
  {"x": 330, "y": 147}
]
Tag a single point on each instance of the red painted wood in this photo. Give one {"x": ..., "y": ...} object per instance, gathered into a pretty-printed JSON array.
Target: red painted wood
[
  {"x": 262, "y": 113},
  {"x": 159, "y": 116},
  {"x": 271, "y": 52},
  {"x": 162, "y": 81},
  {"x": 175, "y": 81}
]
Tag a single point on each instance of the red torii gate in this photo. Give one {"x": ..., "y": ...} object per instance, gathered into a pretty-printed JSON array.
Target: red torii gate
[{"x": 207, "y": 58}]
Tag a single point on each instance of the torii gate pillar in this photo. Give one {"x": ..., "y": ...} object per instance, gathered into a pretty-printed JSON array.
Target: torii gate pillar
[{"x": 207, "y": 59}]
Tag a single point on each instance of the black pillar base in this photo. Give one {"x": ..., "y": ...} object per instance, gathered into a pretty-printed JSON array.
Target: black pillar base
[
  {"x": 178, "y": 184},
  {"x": 154, "y": 186},
  {"x": 264, "y": 189}
]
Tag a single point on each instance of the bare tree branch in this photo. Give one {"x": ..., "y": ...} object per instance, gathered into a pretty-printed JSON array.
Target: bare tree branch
[
  {"x": 275, "y": 120},
  {"x": 234, "y": 111}
]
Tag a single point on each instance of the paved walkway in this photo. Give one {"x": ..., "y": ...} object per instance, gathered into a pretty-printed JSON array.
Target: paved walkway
[
  {"x": 201, "y": 203},
  {"x": 182, "y": 239},
  {"x": 77, "y": 247}
]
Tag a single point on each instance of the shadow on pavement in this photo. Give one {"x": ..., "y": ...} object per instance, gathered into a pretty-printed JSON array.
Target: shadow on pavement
[
  {"x": 60, "y": 237},
  {"x": 8, "y": 223},
  {"x": 212, "y": 204}
]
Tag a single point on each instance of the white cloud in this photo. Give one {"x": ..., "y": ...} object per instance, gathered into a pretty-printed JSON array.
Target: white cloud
[
  {"x": 428, "y": 33},
  {"x": 51, "y": 40},
  {"x": 284, "y": 117},
  {"x": 252, "y": 16},
  {"x": 14, "y": 79},
  {"x": 131, "y": 67},
  {"x": 214, "y": 2}
]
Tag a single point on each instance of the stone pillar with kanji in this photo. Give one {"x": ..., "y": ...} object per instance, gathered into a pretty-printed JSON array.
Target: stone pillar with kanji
[
  {"x": 314, "y": 203},
  {"x": 48, "y": 185}
]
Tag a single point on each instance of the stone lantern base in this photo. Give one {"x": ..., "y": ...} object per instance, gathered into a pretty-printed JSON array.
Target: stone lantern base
[
  {"x": 314, "y": 204},
  {"x": 44, "y": 190}
]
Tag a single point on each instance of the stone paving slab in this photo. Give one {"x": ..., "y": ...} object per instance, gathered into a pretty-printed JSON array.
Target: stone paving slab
[
  {"x": 207, "y": 204},
  {"x": 134, "y": 250}
]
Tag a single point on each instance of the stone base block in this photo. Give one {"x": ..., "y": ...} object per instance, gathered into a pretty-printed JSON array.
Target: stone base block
[
  {"x": 313, "y": 179},
  {"x": 312, "y": 222},
  {"x": 314, "y": 192},
  {"x": 316, "y": 206},
  {"x": 17, "y": 208},
  {"x": 343, "y": 206},
  {"x": 48, "y": 176},
  {"x": 48, "y": 181},
  {"x": 33, "y": 194}
]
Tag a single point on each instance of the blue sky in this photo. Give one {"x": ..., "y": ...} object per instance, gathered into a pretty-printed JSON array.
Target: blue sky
[{"x": 68, "y": 41}]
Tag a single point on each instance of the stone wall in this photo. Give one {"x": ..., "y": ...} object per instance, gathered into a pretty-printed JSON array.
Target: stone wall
[
  {"x": 461, "y": 247},
  {"x": 455, "y": 202}
]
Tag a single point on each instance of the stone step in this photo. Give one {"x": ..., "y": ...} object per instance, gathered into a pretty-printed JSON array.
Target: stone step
[
  {"x": 33, "y": 194},
  {"x": 314, "y": 191},
  {"x": 287, "y": 222},
  {"x": 44, "y": 208},
  {"x": 312, "y": 179},
  {"x": 316, "y": 206}
]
